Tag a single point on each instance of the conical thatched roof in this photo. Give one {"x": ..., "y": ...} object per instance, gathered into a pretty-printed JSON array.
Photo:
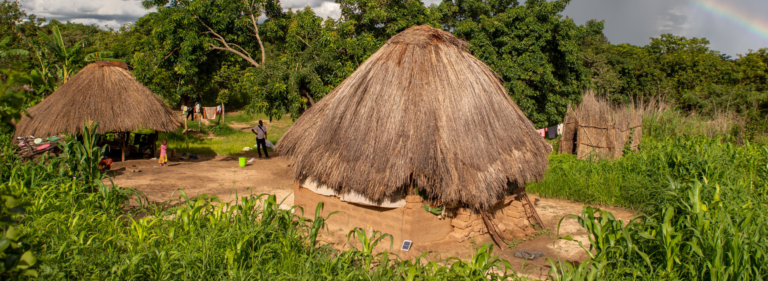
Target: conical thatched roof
[
  {"x": 422, "y": 111},
  {"x": 103, "y": 92}
]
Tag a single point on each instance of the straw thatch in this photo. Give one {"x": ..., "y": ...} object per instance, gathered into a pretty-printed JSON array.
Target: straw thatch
[
  {"x": 595, "y": 128},
  {"x": 568, "y": 137},
  {"x": 103, "y": 92},
  {"x": 420, "y": 111}
]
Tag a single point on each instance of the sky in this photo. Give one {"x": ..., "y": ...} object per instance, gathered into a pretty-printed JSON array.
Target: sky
[{"x": 732, "y": 26}]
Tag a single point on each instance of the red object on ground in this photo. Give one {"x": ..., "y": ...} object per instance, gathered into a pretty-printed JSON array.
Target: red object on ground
[
  {"x": 105, "y": 164},
  {"x": 47, "y": 145}
]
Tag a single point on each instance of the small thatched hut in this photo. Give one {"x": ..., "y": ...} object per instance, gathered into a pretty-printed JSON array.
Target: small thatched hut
[
  {"x": 104, "y": 92},
  {"x": 420, "y": 116},
  {"x": 597, "y": 129}
]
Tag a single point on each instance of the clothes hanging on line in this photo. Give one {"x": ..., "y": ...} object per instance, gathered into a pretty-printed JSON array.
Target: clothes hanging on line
[
  {"x": 552, "y": 132},
  {"x": 542, "y": 132},
  {"x": 209, "y": 112},
  {"x": 560, "y": 129}
]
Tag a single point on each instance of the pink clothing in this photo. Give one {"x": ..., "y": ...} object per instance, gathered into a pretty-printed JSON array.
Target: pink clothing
[
  {"x": 542, "y": 132},
  {"x": 163, "y": 150}
]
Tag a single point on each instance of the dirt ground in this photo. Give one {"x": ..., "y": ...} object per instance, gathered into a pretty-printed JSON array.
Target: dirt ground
[{"x": 221, "y": 176}]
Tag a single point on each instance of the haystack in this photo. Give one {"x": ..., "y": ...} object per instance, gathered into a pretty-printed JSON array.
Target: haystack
[
  {"x": 104, "y": 92},
  {"x": 420, "y": 114},
  {"x": 597, "y": 129}
]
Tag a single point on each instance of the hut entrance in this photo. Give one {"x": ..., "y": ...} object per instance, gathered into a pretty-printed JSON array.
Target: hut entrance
[
  {"x": 126, "y": 145},
  {"x": 597, "y": 129}
]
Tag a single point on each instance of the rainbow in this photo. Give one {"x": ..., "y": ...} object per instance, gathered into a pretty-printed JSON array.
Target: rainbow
[{"x": 753, "y": 24}]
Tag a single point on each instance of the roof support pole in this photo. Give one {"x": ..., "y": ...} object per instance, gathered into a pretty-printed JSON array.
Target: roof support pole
[{"x": 122, "y": 146}]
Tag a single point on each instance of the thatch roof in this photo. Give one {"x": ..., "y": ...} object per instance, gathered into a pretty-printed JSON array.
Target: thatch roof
[
  {"x": 103, "y": 92},
  {"x": 422, "y": 111}
]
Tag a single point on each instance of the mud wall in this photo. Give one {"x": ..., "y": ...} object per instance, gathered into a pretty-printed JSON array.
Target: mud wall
[{"x": 408, "y": 223}]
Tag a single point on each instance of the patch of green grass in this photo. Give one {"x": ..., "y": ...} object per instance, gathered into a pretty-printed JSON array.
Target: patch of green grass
[{"x": 226, "y": 140}]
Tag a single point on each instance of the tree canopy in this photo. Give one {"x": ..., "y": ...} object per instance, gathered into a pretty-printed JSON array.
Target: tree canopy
[{"x": 256, "y": 56}]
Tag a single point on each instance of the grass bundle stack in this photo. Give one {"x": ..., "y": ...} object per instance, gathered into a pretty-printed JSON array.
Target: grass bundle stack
[
  {"x": 421, "y": 111},
  {"x": 104, "y": 92},
  {"x": 597, "y": 129},
  {"x": 568, "y": 138}
]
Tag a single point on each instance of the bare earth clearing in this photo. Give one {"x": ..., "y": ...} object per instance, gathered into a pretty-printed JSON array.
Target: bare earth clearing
[{"x": 221, "y": 176}]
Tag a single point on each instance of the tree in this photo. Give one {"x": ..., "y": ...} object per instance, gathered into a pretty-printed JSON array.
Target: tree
[
  {"x": 63, "y": 55},
  {"x": 534, "y": 50},
  {"x": 5, "y": 50},
  {"x": 181, "y": 47}
]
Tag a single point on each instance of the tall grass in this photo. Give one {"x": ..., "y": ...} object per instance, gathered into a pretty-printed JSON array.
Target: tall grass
[
  {"x": 701, "y": 193},
  {"x": 639, "y": 180},
  {"x": 709, "y": 232},
  {"x": 661, "y": 120}
]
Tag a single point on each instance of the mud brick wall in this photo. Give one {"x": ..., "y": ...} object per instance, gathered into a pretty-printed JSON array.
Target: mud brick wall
[
  {"x": 408, "y": 223},
  {"x": 508, "y": 216}
]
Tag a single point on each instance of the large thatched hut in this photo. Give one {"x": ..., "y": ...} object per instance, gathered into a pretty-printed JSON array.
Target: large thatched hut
[
  {"x": 104, "y": 92},
  {"x": 421, "y": 122}
]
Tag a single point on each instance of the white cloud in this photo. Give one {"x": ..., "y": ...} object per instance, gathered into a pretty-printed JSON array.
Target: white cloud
[
  {"x": 101, "y": 12},
  {"x": 328, "y": 9}
]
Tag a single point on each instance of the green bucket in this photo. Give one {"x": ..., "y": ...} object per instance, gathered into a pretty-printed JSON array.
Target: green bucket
[{"x": 242, "y": 161}]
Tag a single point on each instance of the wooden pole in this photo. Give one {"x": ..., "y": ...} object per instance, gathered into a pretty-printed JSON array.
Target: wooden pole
[
  {"x": 122, "y": 146},
  {"x": 222, "y": 113},
  {"x": 154, "y": 143}
]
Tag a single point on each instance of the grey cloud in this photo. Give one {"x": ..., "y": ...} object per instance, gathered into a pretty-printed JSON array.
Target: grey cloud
[
  {"x": 634, "y": 22},
  {"x": 629, "y": 21}
]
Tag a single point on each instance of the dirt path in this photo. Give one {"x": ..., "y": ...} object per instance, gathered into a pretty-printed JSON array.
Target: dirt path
[
  {"x": 221, "y": 176},
  {"x": 213, "y": 175}
]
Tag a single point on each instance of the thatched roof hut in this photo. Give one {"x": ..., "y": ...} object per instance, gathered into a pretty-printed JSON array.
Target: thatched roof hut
[
  {"x": 421, "y": 111},
  {"x": 105, "y": 92}
]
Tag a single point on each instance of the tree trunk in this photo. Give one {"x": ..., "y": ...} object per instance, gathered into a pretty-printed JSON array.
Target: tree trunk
[{"x": 309, "y": 97}]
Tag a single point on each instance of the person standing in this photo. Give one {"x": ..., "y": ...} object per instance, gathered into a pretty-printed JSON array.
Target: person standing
[
  {"x": 261, "y": 138},
  {"x": 163, "y": 159}
]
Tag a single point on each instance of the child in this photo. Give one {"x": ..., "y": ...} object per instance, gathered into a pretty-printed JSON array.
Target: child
[{"x": 163, "y": 159}]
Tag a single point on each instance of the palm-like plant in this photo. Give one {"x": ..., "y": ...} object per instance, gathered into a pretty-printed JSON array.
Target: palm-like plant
[
  {"x": 4, "y": 51},
  {"x": 66, "y": 56}
]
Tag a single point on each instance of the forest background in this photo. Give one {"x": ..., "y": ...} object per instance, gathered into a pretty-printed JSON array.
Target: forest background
[{"x": 255, "y": 56}]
